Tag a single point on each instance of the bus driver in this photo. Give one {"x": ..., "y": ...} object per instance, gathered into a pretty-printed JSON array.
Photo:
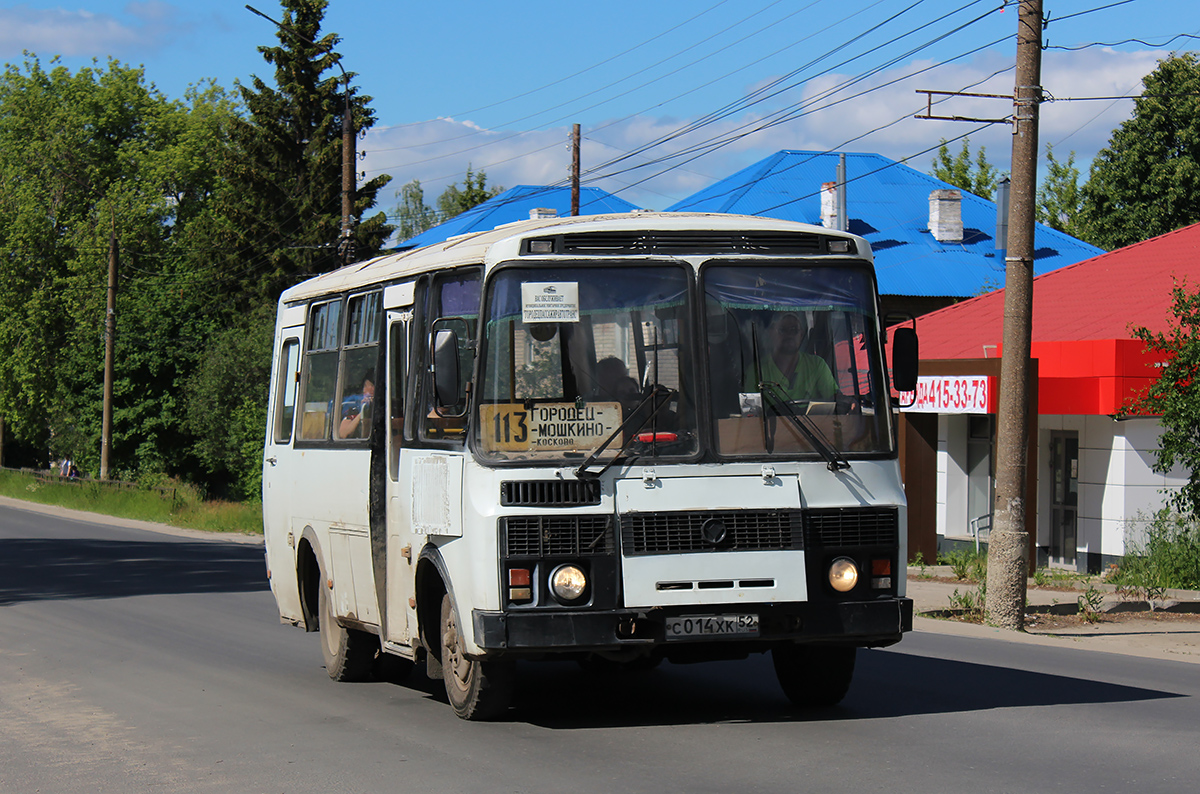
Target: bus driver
[{"x": 799, "y": 375}]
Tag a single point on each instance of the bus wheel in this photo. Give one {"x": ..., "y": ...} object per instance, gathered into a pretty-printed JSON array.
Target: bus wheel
[
  {"x": 349, "y": 654},
  {"x": 476, "y": 690},
  {"x": 814, "y": 676}
]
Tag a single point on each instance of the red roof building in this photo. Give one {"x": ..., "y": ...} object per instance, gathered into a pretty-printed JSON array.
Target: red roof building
[{"x": 1090, "y": 370}]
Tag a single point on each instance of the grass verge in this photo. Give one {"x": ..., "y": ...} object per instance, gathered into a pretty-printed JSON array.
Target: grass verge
[{"x": 179, "y": 505}]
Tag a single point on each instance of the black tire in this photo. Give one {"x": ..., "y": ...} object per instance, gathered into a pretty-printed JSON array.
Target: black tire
[
  {"x": 477, "y": 690},
  {"x": 814, "y": 676},
  {"x": 349, "y": 654}
]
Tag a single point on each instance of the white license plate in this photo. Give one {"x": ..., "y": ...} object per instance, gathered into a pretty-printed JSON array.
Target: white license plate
[{"x": 712, "y": 626}]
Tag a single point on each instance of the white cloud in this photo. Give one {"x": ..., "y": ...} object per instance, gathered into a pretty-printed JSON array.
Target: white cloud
[
  {"x": 438, "y": 152},
  {"x": 60, "y": 31}
]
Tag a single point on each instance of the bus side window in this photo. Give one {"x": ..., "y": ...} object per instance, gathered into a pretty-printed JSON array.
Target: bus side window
[
  {"x": 320, "y": 370},
  {"x": 360, "y": 353},
  {"x": 398, "y": 368},
  {"x": 285, "y": 395}
]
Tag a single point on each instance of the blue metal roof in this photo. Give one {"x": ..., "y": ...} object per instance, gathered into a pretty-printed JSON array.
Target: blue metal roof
[
  {"x": 515, "y": 204},
  {"x": 888, "y": 204}
]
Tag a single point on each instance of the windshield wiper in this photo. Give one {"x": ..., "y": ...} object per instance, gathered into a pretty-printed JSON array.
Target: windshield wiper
[
  {"x": 804, "y": 424},
  {"x": 657, "y": 390}
]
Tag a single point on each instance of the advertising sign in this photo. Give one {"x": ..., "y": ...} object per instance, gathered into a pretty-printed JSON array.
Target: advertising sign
[{"x": 952, "y": 394}]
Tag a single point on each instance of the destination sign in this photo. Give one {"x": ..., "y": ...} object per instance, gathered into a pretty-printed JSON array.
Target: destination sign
[{"x": 545, "y": 427}]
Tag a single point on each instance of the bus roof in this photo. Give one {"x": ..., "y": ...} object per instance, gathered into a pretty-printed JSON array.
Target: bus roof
[{"x": 503, "y": 242}]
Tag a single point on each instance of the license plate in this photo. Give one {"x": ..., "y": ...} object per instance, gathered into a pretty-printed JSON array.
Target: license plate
[{"x": 712, "y": 626}]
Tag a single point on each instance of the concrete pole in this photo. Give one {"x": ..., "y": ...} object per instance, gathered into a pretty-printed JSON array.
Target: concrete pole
[
  {"x": 110, "y": 334},
  {"x": 1008, "y": 542}
]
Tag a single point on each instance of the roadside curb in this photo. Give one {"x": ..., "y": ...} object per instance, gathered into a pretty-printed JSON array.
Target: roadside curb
[{"x": 130, "y": 523}]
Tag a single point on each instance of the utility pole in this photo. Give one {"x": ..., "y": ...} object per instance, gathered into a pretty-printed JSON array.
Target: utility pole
[
  {"x": 110, "y": 333},
  {"x": 1008, "y": 542},
  {"x": 575, "y": 170}
]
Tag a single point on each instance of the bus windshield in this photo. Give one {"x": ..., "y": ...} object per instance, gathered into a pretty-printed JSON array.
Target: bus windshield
[
  {"x": 795, "y": 364},
  {"x": 574, "y": 355}
]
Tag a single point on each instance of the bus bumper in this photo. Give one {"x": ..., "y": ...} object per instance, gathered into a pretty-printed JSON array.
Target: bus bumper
[{"x": 863, "y": 623}]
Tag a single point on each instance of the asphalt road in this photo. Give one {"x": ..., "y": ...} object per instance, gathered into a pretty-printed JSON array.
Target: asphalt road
[{"x": 137, "y": 661}]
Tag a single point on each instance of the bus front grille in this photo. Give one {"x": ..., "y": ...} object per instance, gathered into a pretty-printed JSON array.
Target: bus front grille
[
  {"x": 549, "y": 493},
  {"x": 851, "y": 526},
  {"x": 557, "y": 536},
  {"x": 711, "y": 530}
]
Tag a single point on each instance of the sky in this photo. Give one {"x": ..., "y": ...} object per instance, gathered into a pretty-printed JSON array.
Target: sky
[{"x": 671, "y": 95}]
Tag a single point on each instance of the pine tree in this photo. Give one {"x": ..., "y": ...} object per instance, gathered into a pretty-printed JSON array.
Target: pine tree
[{"x": 285, "y": 191}]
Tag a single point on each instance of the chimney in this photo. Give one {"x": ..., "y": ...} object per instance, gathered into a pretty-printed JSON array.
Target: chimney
[
  {"x": 540, "y": 213},
  {"x": 945, "y": 216},
  {"x": 829, "y": 205}
]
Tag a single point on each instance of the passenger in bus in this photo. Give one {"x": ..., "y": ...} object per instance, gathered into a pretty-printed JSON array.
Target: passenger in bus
[
  {"x": 799, "y": 375},
  {"x": 356, "y": 409},
  {"x": 613, "y": 384}
]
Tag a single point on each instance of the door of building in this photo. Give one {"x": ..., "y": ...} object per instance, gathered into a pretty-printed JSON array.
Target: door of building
[{"x": 1064, "y": 497}]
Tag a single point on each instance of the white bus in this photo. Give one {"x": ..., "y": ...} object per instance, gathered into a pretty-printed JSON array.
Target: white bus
[{"x": 617, "y": 439}]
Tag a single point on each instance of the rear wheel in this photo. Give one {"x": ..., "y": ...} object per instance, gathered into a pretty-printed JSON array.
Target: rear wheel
[
  {"x": 349, "y": 654},
  {"x": 814, "y": 676},
  {"x": 477, "y": 690}
]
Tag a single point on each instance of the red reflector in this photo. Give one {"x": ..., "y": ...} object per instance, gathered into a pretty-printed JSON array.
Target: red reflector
[
  {"x": 660, "y": 438},
  {"x": 518, "y": 577},
  {"x": 881, "y": 567}
]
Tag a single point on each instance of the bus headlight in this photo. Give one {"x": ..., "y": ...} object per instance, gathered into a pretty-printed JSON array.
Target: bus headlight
[
  {"x": 568, "y": 583},
  {"x": 843, "y": 574}
]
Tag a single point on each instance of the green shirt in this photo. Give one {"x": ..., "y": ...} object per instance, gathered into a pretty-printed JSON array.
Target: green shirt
[{"x": 811, "y": 380}]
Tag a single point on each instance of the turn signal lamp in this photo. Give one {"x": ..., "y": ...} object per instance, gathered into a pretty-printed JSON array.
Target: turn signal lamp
[
  {"x": 519, "y": 587},
  {"x": 881, "y": 573}
]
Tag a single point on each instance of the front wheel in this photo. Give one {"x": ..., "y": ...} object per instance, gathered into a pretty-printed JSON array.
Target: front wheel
[
  {"x": 349, "y": 654},
  {"x": 477, "y": 690},
  {"x": 814, "y": 676}
]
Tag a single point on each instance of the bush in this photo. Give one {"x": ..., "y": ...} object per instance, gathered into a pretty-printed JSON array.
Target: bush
[
  {"x": 1167, "y": 557},
  {"x": 965, "y": 563}
]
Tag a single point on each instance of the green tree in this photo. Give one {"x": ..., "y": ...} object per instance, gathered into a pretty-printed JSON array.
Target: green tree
[
  {"x": 455, "y": 200},
  {"x": 281, "y": 214},
  {"x": 84, "y": 158},
  {"x": 1059, "y": 197},
  {"x": 978, "y": 177},
  {"x": 415, "y": 215},
  {"x": 1146, "y": 182},
  {"x": 276, "y": 221},
  {"x": 1175, "y": 396},
  {"x": 227, "y": 403}
]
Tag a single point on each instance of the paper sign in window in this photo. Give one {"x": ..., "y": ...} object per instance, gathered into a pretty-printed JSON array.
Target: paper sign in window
[{"x": 550, "y": 302}]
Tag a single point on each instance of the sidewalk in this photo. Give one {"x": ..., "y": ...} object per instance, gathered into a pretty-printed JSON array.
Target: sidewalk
[{"x": 1172, "y": 631}]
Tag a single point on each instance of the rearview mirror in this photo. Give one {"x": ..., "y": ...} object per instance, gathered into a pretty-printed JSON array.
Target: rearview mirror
[{"x": 905, "y": 354}]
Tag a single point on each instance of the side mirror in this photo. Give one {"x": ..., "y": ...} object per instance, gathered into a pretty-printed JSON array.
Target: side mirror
[
  {"x": 446, "y": 377},
  {"x": 905, "y": 354}
]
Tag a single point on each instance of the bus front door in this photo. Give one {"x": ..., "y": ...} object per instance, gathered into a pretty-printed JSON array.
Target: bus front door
[{"x": 400, "y": 613}]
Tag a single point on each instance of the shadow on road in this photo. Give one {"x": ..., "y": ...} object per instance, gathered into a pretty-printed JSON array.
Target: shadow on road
[
  {"x": 33, "y": 569},
  {"x": 562, "y": 696}
]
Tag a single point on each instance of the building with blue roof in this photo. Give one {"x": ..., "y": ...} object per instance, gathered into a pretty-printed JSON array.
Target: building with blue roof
[
  {"x": 889, "y": 204},
  {"x": 519, "y": 204}
]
